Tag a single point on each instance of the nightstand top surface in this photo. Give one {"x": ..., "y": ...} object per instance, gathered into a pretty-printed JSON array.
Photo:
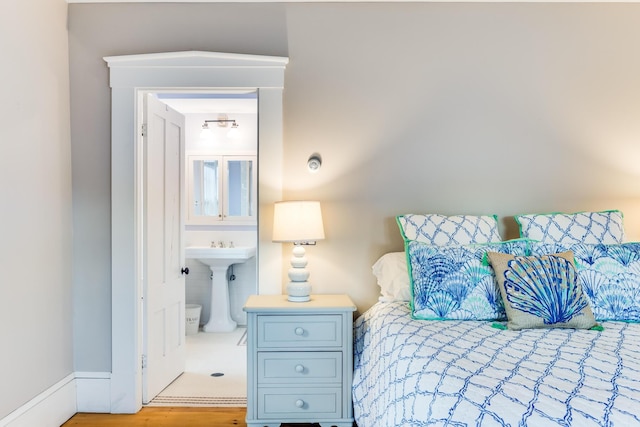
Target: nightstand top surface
[{"x": 320, "y": 302}]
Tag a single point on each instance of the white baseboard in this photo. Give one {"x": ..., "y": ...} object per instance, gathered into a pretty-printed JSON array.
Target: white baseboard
[
  {"x": 51, "y": 408},
  {"x": 93, "y": 392},
  {"x": 78, "y": 392}
]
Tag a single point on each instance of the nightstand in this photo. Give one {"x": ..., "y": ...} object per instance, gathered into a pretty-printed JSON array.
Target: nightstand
[{"x": 299, "y": 360}]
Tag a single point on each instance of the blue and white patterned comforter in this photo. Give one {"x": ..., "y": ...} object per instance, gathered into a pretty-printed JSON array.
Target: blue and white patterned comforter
[{"x": 467, "y": 373}]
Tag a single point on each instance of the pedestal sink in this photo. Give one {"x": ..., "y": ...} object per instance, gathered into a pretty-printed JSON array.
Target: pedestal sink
[{"x": 219, "y": 260}]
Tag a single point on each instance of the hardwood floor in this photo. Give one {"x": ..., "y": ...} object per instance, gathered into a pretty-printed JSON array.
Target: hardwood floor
[
  {"x": 158, "y": 416},
  {"x": 164, "y": 417}
]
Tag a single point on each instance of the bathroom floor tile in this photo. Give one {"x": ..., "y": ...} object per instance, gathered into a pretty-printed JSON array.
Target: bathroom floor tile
[{"x": 208, "y": 356}]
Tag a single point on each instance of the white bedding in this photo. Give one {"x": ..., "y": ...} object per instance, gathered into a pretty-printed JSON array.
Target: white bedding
[{"x": 467, "y": 373}]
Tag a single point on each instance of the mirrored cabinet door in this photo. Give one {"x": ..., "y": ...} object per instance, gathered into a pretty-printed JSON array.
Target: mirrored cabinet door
[
  {"x": 206, "y": 195},
  {"x": 239, "y": 191},
  {"x": 222, "y": 189}
]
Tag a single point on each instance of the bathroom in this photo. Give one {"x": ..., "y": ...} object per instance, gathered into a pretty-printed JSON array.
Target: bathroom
[{"x": 220, "y": 146}]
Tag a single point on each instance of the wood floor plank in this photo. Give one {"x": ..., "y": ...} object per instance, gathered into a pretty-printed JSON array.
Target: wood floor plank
[{"x": 164, "y": 417}]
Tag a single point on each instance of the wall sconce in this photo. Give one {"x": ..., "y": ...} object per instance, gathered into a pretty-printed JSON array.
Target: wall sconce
[
  {"x": 314, "y": 162},
  {"x": 223, "y": 121},
  {"x": 299, "y": 222}
]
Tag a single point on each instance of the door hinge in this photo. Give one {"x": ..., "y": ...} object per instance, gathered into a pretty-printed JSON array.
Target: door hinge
[
  {"x": 144, "y": 361},
  {"x": 143, "y": 129}
]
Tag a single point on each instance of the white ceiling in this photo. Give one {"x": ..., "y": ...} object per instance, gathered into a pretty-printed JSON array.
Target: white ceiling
[
  {"x": 352, "y": 1},
  {"x": 212, "y": 106}
]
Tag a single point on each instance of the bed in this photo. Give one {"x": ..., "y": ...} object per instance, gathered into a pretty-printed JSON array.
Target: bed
[
  {"x": 439, "y": 349},
  {"x": 411, "y": 372}
]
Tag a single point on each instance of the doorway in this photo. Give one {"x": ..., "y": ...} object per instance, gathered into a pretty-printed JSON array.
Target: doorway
[
  {"x": 218, "y": 125},
  {"x": 129, "y": 76}
]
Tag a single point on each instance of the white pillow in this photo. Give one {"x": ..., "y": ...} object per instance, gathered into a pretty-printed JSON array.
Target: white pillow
[{"x": 393, "y": 277}]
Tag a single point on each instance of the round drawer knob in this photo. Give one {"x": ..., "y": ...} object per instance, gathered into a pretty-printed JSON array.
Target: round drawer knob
[
  {"x": 299, "y": 331},
  {"x": 299, "y": 403},
  {"x": 299, "y": 369}
]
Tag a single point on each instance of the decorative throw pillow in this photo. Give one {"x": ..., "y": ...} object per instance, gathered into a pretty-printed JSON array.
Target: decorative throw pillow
[
  {"x": 453, "y": 282},
  {"x": 541, "y": 291},
  {"x": 609, "y": 275},
  {"x": 443, "y": 230},
  {"x": 583, "y": 227},
  {"x": 393, "y": 277}
]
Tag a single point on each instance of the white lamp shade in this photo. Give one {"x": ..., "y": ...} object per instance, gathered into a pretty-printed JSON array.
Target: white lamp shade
[{"x": 297, "y": 221}]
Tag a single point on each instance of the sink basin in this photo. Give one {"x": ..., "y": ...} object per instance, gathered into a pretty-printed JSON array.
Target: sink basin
[
  {"x": 220, "y": 257},
  {"x": 219, "y": 260}
]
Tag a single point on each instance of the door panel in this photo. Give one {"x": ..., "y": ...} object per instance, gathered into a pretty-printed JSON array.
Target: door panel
[{"x": 164, "y": 291}]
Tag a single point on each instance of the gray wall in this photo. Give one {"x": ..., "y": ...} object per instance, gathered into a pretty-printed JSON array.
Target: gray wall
[
  {"x": 35, "y": 194},
  {"x": 415, "y": 107}
]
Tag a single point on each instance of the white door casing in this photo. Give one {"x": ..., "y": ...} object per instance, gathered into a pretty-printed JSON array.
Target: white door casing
[
  {"x": 130, "y": 77},
  {"x": 163, "y": 248}
]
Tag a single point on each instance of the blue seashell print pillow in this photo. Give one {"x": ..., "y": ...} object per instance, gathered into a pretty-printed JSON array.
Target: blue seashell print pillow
[
  {"x": 454, "y": 282},
  {"x": 541, "y": 291},
  {"x": 443, "y": 230},
  {"x": 609, "y": 275},
  {"x": 583, "y": 227}
]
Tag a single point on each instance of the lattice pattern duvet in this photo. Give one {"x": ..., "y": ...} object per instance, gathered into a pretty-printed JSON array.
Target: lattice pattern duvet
[{"x": 467, "y": 373}]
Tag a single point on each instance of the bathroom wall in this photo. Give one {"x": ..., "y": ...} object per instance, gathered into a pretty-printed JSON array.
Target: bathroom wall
[{"x": 198, "y": 282}]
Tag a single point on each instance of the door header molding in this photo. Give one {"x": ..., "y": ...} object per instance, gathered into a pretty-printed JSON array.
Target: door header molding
[{"x": 196, "y": 69}]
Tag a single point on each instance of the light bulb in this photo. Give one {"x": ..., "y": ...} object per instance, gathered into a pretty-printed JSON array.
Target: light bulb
[
  {"x": 233, "y": 132},
  {"x": 206, "y": 132}
]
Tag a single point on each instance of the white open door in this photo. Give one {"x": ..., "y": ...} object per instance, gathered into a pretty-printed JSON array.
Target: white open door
[{"x": 164, "y": 283}]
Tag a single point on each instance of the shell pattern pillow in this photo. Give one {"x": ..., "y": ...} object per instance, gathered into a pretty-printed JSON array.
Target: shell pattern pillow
[
  {"x": 541, "y": 291},
  {"x": 609, "y": 275},
  {"x": 454, "y": 282}
]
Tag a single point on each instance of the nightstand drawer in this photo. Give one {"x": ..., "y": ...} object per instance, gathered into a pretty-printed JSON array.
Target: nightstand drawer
[
  {"x": 299, "y": 331},
  {"x": 276, "y": 403},
  {"x": 299, "y": 367}
]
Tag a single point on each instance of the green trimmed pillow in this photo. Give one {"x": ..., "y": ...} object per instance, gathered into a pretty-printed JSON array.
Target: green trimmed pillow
[
  {"x": 454, "y": 283},
  {"x": 541, "y": 291},
  {"x": 441, "y": 230},
  {"x": 609, "y": 276},
  {"x": 581, "y": 227}
]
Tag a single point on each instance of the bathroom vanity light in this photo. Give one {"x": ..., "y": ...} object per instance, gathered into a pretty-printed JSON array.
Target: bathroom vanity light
[
  {"x": 299, "y": 222},
  {"x": 222, "y": 121}
]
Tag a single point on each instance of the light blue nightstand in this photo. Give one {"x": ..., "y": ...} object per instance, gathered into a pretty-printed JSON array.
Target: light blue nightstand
[{"x": 299, "y": 360}]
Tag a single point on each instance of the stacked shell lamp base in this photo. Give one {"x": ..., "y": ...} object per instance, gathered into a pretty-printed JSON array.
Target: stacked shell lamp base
[{"x": 298, "y": 289}]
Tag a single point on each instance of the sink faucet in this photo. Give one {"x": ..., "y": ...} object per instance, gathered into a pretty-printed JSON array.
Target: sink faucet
[
  {"x": 213, "y": 244},
  {"x": 221, "y": 244}
]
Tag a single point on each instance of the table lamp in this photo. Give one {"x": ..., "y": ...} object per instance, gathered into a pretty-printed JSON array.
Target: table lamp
[{"x": 299, "y": 222}]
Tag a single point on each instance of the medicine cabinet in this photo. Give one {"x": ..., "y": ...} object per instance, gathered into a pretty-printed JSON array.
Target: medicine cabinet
[{"x": 222, "y": 189}]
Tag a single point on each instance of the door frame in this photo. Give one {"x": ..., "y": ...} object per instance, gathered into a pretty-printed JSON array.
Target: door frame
[{"x": 130, "y": 77}]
